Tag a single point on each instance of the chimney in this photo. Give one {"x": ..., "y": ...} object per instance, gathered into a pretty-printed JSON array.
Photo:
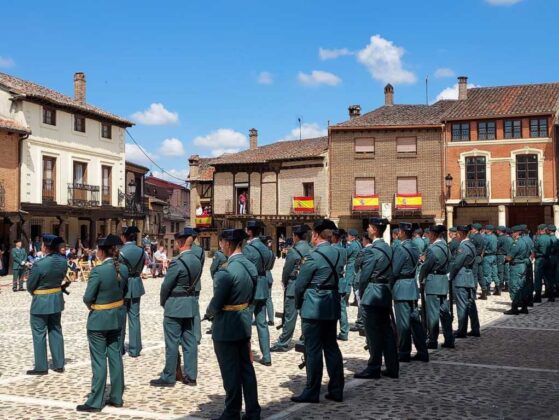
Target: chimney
[
  {"x": 253, "y": 137},
  {"x": 79, "y": 87},
  {"x": 354, "y": 111},
  {"x": 462, "y": 88},
  {"x": 388, "y": 95},
  {"x": 194, "y": 166}
]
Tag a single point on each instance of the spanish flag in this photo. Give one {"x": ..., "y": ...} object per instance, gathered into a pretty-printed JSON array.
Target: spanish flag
[
  {"x": 303, "y": 204},
  {"x": 408, "y": 201},
  {"x": 203, "y": 221},
  {"x": 365, "y": 203}
]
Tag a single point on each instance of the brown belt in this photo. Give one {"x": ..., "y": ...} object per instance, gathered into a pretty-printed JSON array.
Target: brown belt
[
  {"x": 235, "y": 308},
  {"x": 106, "y": 306}
]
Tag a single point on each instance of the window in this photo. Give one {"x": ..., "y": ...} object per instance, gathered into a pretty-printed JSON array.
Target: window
[
  {"x": 49, "y": 116},
  {"x": 365, "y": 145},
  {"x": 79, "y": 123},
  {"x": 486, "y": 130},
  {"x": 406, "y": 145},
  {"x": 49, "y": 179},
  {"x": 538, "y": 127},
  {"x": 106, "y": 185},
  {"x": 460, "y": 131},
  {"x": 308, "y": 189},
  {"x": 407, "y": 185},
  {"x": 513, "y": 129},
  {"x": 106, "y": 131},
  {"x": 80, "y": 169},
  {"x": 476, "y": 181},
  {"x": 527, "y": 176},
  {"x": 364, "y": 186}
]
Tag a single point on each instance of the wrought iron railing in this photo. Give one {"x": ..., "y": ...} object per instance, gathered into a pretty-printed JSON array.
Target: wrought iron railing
[
  {"x": 527, "y": 188},
  {"x": 49, "y": 192},
  {"x": 135, "y": 206},
  {"x": 475, "y": 188},
  {"x": 106, "y": 196},
  {"x": 83, "y": 195}
]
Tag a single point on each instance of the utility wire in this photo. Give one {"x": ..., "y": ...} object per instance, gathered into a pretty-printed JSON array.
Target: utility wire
[{"x": 152, "y": 161}]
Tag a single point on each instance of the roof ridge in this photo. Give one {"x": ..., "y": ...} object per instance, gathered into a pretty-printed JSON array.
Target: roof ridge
[{"x": 513, "y": 86}]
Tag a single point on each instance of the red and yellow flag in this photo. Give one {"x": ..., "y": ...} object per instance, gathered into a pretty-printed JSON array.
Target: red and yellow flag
[
  {"x": 303, "y": 204},
  {"x": 408, "y": 201},
  {"x": 203, "y": 221},
  {"x": 365, "y": 203}
]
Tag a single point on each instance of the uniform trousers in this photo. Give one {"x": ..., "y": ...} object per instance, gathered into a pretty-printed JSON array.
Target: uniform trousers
[
  {"x": 517, "y": 283},
  {"x": 259, "y": 309},
  {"x": 270, "y": 305},
  {"x": 17, "y": 278},
  {"x": 198, "y": 321},
  {"x": 381, "y": 339},
  {"x": 438, "y": 309},
  {"x": 408, "y": 323},
  {"x": 477, "y": 269},
  {"x": 502, "y": 270},
  {"x": 41, "y": 325},
  {"x": 179, "y": 330},
  {"x": 344, "y": 322},
  {"x": 466, "y": 309},
  {"x": 540, "y": 274},
  {"x": 490, "y": 271},
  {"x": 132, "y": 307},
  {"x": 289, "y": 321}
]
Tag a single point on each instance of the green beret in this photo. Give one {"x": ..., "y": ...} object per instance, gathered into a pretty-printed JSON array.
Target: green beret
[
  {"x": 502, "y": 228},
  {"x": 489, "y": 227},
  {"x": 542, "y": 227},
  {"x": 518, "y": 228},
  {"x": 477, "y": 226},
  {"x": 552, "y": 228}
]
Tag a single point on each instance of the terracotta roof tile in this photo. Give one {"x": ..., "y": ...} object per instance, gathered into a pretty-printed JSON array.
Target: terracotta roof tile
[
  {"x": 502, "y": 101},
  {"x": 205, "y": 170},
  {"x": 35, "y": 91},
  {"x": 281, "y": 150},
  {"x": 13, "y": 125}
]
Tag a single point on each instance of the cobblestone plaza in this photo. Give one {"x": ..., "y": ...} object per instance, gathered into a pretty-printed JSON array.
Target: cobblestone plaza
[{"x": 512, "y": 371}]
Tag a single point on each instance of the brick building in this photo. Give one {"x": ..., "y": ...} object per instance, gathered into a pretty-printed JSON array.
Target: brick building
[
  {"x": 389, "y": 158},
  {"x": 502, "y": 156},
  {"x": 200, "y": 178},
  {"x": 284, "y": 183}
]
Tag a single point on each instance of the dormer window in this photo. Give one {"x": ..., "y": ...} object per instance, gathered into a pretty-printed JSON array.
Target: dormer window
[
  {"x": 79, "y": 123},
  {"x": 49, "y": 116}
]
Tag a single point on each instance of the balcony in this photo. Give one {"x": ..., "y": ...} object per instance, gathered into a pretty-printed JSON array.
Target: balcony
[
  {"x": 83, "y": 195},
  {"x": 231, "y": 209},
  {"x": 136, "y": 206},
  {"x": 477, "y": 189},
  {"x": 106, "y": 196},
  {"x": 49, "y": 192},
  {"x": 527, "y": 190}
]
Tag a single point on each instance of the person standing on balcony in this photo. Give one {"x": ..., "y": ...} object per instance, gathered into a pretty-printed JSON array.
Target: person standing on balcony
[
  {"x": 133, "y": 257},
  {"x": 242, "y": 202},
  {"x": 19, "y": 259}
]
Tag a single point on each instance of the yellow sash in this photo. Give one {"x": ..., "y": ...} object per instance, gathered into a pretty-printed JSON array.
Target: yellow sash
[
  {"x": 47, "y": 291},
  {"x": 105, "y": 306},
  {"x": 235, "y": 308}
]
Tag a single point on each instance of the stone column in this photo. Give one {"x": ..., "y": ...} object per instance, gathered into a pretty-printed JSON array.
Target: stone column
[
  {"x": 502, "y": 211},
  {"x": 556, "y": 215},
  {"x": 450, "y": 216}
]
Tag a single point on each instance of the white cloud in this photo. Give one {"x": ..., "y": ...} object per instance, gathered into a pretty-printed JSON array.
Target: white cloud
[
  {"x": 443, "y": 72},
  {"x": 156, "y": 114},
  {"x": 134, "y": 153},
  {"x": 172, "y": 175},
  {"x": 222, "y": 140},
  {"x": 6, "y": 62},
  {"x": 308, "y": 131},
  {"x": 171, "y": 147},
  {"x": 331, "y": 54},
  {"x": 318, "y": 77},
  {"x": 383, "y": 59},
  {"x": 502, "y": 2},
  {"x": 265, "y": 78},
  {"x": 452, "y": 92}
]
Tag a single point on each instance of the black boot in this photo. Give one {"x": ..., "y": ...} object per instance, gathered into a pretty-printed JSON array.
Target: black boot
[
  {"x": 524, "y": 310},
  {"x": 497, "y": 291},
  {"x": 483, "y": 295},
  {"x": 512, "y": 311},
  {"x": 537, "y": 298}
]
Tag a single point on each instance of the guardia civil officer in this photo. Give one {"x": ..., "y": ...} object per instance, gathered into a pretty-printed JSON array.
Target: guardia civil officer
[
  {"x": 19, "y": 258},
  {"x": 178, "y": 297},
  {"x": 395, "y": 239},
  {"x": 490, "y": 260},
  {"x": 433, "y": 274},
  {"x": 45, "y": 284},
  {"x": 259, "y": 254},
  {"x": 219, "y": 259},
  {"x": 418, "y": 240},
  {"x": 104, "y": 297},
  {"x": 516, "y": 258},
  {"x": 454, "y": 242},
  {"x": 553, "y": 268},
  {"x": 528, "y": 289},
  {"x": 464, "y": 284},
  {"x": 479, "y": 243},
  {"x": 541, "y": 254},
  {"x": 235, "y": 285},
  {"x": 132, "y": 256},
  {"x": 426, "y": 238},
  {"x": 376, "y": 301},
  {"x": 199, "y": 253},
  {"x": 365, "y": 243},
  {"x": 406, "y": 294},
  {"x": 317, "y": 295},
  {"x": 337, "y": 236},
  {"x": 353, "y": 247},
  {"x": 504, "y": 242},
  {"x": 293, "y": 261}
]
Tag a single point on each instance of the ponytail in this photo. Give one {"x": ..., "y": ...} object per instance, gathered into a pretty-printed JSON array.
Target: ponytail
[{"x": 116, "y": 254}]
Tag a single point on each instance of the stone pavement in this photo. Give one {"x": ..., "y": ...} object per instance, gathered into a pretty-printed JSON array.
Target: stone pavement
[{"x": 512, "y": 371}]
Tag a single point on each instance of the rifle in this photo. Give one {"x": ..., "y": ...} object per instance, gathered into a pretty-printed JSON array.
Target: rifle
[{"x": 300, "y": 348}]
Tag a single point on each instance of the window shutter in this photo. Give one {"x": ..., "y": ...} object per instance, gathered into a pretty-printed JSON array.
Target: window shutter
[
  {"x": 365, "y": 186},
  {"x": 407, "y": 185},
  {"x": 365, "y": 145},
  {"x": 406, "y": 144}
]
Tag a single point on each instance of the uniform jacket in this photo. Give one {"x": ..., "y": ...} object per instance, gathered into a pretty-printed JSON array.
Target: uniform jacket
[
  {"x": 419, "y": 243},
  {"x": 218, "y": 260},
  {"x": 317, "y": 285},
  {"x": 269, "y": 268},
  {"x": 554, "y": 246},
  {"x": 404, "y": 262},
  {"x": 199, "y": 253},
  {"x": 132, "y": 256},
  {"x": 259, "y": 254},
  {"x": 461, "y": 273},
  {"x": 529, "y": 246},
  {"x": 47, "y": 273},
  {"x": 235, "y": 284},
  {"x": 344, "y": 285},
  {"x": 433, "y": 272},
  {"x": 376, "y": 275},
  {"x": 182, "y": 276},
  {"x": 490, "y": 244},
  {"x": 395, "y": 243},
  {"x": 542, "y": 246},
  {"x": 105, "y": 286},
  {"x": 19, "y": 257},
  {"x": 293, "y": 262},
  {"x": 353, "y": 248},
  {"x": 518, "y": 252},
  {"x": 453, "y": 246},
  {"x": 479, "y": 243}
]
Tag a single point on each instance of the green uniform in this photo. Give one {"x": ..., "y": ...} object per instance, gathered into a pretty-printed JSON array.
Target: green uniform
[
  {"x": 376, "y": 301},
  {"x": 528, "y": 289},
  {"x": 291, "y": 268},
  {"x": 427, "y": 242},
  {"x": 517, "y": 254},
  {"x": 489, "y": 262},
  {"x": 178, "y": 297},
  {"x": 553, "y": 267},
  {"x": 235, "y": 284},
  {"x": 477, "y": 268},
  {"x": 433, "y": 275},
  {"x": 132, "y": 257},
  {"x": 317, "y": 295},
  {"x": 353, "y": 248},
  {"x": 19, "y": 258},
  {"x": 104, "y": 327},
  {"x": 46, "y": 310},
  {"x": 504, "y": 242},
  {"x": 199, "y": 253},
  {"x": 419, "y": 243},
  {"x": 218, "y": 260},
  {"x": 542, "y": 250},
  {"x": 453, "y": 246},
  {"x": 259, "y": 254},
  {"x": 405, "y": 294},
  {"x": 359, "y": 323},
  {"x": 269, "y": 302},
  {"x": 395, "y": 244},
  {"x": 464, "y": 288},
  {"x": 344, "y": 294}
]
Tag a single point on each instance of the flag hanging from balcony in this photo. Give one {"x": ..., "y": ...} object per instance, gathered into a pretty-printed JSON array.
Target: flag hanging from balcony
[
  {"x": 203, "y": 221},
  {"x": 408, "y": 201},
  {"x": 303, "y": 204},
  {"x": 365, "y": 203}
]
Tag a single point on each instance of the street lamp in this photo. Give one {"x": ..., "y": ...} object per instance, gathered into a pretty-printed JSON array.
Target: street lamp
[
  {"x": 448, "y": 182},
  {"x": 132, "y": 187}
]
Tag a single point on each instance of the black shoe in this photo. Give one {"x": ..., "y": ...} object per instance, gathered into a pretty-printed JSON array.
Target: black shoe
[
  {"x": 511, "y": 311},
  {"x": 355, "y": 328},
  {"x": 190, "y": 382},
  {"x": 162, "y": 384},
  {"x": 334, "y": 398},
  {"x": 113, "y": 404},
  {"x": 134, "y": 355},
  {"x": 459, "y": 335},
  {"x": 21, "y": 289},
  {"x": 433, "y": 346},
  {"x": 341, "y": 338},
  {"x": 59, "y": 370},
  {"x": 389, "y": 374},
  {"x": 37, "y": 372},
  {"x": 367, "y": 375},
  {"x": 14, "y": 290},
  {"x": 448, "y": 345},
  {"x": 530, "y": 303},
  {"x": 420, "y": 358},
  {"x": 301, "y": 399},
  {"x": 404, "y": 359},
  {"x": 278, "y": 349},
  {"x": 551, "y": 299},
  {"x": 271, "y": 323},
  {"x": 483, "y": 295},
  {"x": 524, "y": 310},
  {"x": 87, "y": 409},
  {"x": 474, "y": 334},
  {"x": 537, "y": 299},
  {"x": 262, "y": 362},
  {"x": 497, "y": 291}
]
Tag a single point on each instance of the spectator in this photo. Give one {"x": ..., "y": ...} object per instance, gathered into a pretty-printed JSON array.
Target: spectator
[
  {"x": 160, "y": 258},
  {"x": 242, "y": 202}
]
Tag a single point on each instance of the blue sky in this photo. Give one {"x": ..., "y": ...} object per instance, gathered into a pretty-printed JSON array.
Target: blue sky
[{"x": 206, "y": 72}]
